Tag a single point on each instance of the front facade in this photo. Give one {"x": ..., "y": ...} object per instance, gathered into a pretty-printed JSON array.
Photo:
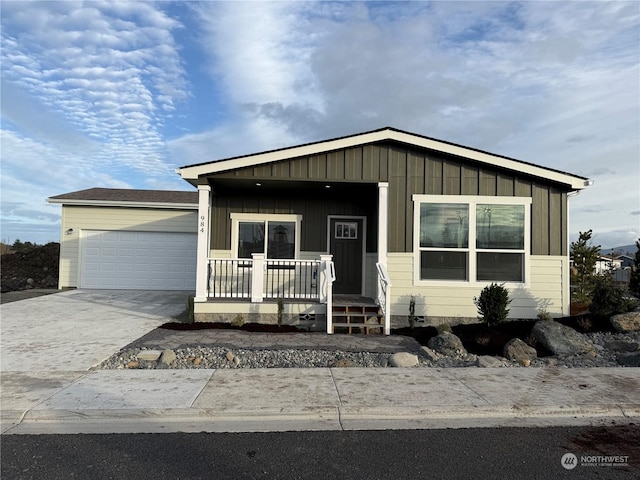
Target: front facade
[{"x": 386, "y": 215}]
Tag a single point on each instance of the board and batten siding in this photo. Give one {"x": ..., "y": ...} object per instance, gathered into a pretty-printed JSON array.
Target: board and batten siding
[
  {"x": 548, "y": 289},
  {"x": 81, "y": 218},
  {"x": 409, "y": 171},
  {"x": 313, "y": 205}
]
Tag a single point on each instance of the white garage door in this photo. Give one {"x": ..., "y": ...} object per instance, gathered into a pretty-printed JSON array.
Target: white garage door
[{"x": 138, "y": 260}]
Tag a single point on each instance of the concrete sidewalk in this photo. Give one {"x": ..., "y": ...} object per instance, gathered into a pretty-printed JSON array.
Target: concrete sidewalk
[
  {"x": 126, "y": 401},
  {"x": 49, "y": 345}
]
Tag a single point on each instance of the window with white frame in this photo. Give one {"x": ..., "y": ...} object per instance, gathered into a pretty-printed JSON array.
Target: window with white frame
[
  {"x": 471, "y": 239},
  {"x": 274, "y": 235}
]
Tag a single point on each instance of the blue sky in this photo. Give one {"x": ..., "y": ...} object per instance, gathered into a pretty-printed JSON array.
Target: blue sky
[{"x": 119, "y": 94}]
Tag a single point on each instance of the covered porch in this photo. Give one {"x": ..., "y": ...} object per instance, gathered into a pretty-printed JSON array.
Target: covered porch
[{"x": 238, "y": 277}]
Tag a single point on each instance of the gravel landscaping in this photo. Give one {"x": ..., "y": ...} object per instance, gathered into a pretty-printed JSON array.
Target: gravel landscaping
[{"x": 607, "y": 348}]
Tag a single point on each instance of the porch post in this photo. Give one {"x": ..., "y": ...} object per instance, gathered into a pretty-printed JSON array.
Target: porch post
[
  {"x": 383, "y": 216},
  {"x": 257, "y": 277},
  {"x": 202, "y": 262}
]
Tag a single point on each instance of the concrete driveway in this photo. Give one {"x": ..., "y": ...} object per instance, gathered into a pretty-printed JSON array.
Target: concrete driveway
[{"x": 77, "y": 329}]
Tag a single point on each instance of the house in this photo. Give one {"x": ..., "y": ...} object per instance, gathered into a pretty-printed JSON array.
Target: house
[
  {"x": 390, "y": 215},
  {"x": 606, "y": 264},
  {"x": 626, "y": 261},
  {"x": 352, "y": 230}
]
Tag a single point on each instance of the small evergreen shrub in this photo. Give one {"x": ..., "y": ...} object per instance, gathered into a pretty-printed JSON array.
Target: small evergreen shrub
[
  {"x": 443, "y": 327},
  {"x": 544, "y": 315},
  {"x": 492, "y": 304},
  {"x": 608, "y": 299},
  {"x": 412, "y": 312},
  {"x": 280, "y": 310}
]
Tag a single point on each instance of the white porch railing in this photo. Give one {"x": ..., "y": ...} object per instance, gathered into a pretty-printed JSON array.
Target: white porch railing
[
  {"x": 384, "y": 296},
  {"x": 259, "y": 278}
]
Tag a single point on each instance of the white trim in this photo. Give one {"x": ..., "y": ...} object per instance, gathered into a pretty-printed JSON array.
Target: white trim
[
  {"x": 383, "y": 222},
  {"x": 236, "y": 218},
  {"x": 364, "y": 242},
  {"x": 204, "y": 244},
  {"x": 471, "y": 201},
  {"x": 193, "y": 172},
  {"x": 114, "y": 203}
]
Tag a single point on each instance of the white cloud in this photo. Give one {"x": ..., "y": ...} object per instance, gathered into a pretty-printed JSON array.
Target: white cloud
[{"x": 553, "y": 83}]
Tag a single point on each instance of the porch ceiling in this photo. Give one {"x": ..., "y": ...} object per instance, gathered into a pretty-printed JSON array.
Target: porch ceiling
[{"x": 257, "y": 185}]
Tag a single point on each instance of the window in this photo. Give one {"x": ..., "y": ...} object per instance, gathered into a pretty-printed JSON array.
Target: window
[
  {"x": 274, "y": 235},
  {"x": 346, "y": 230},
  {"x": 471, "y": 239}
]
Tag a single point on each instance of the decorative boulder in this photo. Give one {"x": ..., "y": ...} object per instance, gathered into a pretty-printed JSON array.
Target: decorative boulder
[
  {"x": 560, "y": 339},
  {"x": 403, "y": 360},
  {"x": 631, "y": 359},
  {"x": 518, "y": 351},
  {"x": 487, "y": 361},
  {"x": 448, "y": 344},
  {"x": 430, "y": 354},
  {"x": 626, "y": 322}
]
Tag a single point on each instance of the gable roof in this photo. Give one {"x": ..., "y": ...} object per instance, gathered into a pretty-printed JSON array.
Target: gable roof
[
  {"x": 192, "y": 172},
  {"x": 129, "y": 197}
]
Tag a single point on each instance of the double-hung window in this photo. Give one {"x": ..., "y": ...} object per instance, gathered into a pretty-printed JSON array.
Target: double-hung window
[
  {"x": 471, "y": 239},
  {"x": 276, "y": 236}
]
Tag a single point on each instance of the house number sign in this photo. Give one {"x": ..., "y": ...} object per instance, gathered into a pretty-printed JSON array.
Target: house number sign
[{"x": 201, "y": 223}]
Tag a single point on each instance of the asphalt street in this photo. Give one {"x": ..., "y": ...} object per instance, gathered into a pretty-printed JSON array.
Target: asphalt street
[{"x": 487, "y": 453}]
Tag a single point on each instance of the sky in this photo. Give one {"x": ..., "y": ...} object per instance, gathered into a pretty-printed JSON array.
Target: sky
[{"x": 120, "y": 94}]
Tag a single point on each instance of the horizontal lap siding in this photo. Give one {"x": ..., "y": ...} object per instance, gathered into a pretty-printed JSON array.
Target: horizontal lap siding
[
  {"x": 547, "y": 289},
  {"x": 107, "y": 218}
]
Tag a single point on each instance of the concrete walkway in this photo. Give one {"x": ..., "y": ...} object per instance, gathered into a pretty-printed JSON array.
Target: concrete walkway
[{"x": 43, "y": 392}]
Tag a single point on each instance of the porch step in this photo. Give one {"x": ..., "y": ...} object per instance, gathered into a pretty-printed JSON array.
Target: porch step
[{"x": 357, "y": 318}]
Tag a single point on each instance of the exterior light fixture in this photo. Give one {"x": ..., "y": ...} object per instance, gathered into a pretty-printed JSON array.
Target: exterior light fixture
[{"x": 69, "y": 231}]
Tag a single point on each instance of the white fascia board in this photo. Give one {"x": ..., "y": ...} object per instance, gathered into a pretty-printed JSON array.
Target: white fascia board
[
  {"x": 193, "y": 172},
  {"x": 112, "y": 203}
]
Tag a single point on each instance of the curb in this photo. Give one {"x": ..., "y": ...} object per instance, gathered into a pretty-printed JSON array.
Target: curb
[{"x": 308, "y": 419}]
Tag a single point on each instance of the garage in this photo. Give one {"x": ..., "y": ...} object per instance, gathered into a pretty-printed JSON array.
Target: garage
[
  {"x": 128, "y": 239},
  {"x": 138, "y": 260}
]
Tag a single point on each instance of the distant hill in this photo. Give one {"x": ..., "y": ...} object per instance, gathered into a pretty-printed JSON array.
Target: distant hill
[{"x": 625, "y": 249}]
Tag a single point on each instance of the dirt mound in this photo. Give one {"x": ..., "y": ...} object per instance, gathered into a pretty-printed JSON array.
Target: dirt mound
[{"x": 35, "y": 267}]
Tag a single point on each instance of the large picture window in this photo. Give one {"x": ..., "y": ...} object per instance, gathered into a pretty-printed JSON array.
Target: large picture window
[
  {"x": 274, "y": 235},
  {"x": 471, "y": 239}
]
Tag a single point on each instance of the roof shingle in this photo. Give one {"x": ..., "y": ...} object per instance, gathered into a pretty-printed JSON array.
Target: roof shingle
[{"x": 127, "y": 195}]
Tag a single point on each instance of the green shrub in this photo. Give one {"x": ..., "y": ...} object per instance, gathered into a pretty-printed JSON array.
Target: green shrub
[
  {"x": 608, "y": 299},
  {"x": 412, "y": 312},
  {"x": 238, "y": 321},
  {"x": 544, "y": 315},
  {"x": 280, "y": 310},
  {"x": 492, "y": 304},
  {"x": 443, "y": 327}
]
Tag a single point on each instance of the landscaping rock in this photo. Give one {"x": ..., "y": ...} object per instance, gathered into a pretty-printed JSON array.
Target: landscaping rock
[
  {"x": 448, "y": 344},
  {"x": 149, "y": 355},
  {"x": 622, "y": 346},
  {"x": 168, "y": 357},
  {"x": 229, "y": 356},
  {"x": 560, "y": 339},
  {"x": 487, "y": 361},
  {"x": 430, "y": 354},
  {"x": 626, "y": 322},
  {"x": 631, "y": 359},
  {"x": 403, "y": 360},
  {"x": 343, "y": 362},
  {"x": 518, "y": 351}
]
